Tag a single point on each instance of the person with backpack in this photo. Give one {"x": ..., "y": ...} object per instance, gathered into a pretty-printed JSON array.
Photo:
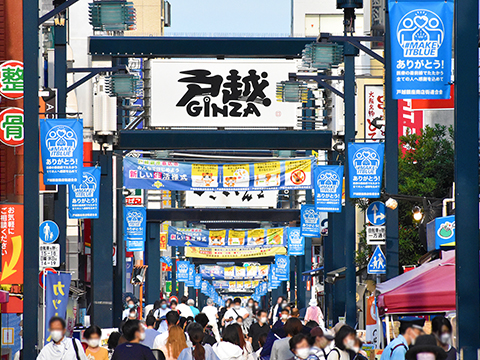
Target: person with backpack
[
  {"x": 61, "y": 347},
  {"x": 198, "y": 351},
  {"x": 344, "y": 344},
  {"x": 237, "y": 310}
]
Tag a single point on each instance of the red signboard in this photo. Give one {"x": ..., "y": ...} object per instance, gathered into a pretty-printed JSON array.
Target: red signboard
[
  {"x": 11, "y": 126},
  {"x": 409, "y": 121},
  {"x": 11, "y": 235},
  {"x": 11, "y": 79}
]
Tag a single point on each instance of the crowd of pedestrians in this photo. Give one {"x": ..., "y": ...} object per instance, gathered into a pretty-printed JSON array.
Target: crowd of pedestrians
[{"x": 180, "y": 331}]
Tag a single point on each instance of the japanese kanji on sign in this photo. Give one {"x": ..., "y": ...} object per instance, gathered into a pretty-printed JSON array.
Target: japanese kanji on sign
[
  {"x": 11, "y": 126},
  {"x": 374, "y": 120},
  {"x": 11, "y": 79},
  {"x": 57, "y": 287},
  {"x": 11, "y": 235}
]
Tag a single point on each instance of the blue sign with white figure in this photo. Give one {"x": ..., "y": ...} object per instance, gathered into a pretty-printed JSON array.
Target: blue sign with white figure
[
  {"x": 377, "y": 263},
  {"x": 183, "y": 268},
  {"x": 191, "y": 276},
  {"x": 296, "y": 242},
  {"x": 62, "y": 150},
  {"x": 421, "y": 48},
  {"x": 282, "y": 264},
  {"x": 328, "y": 182},
  {"x": 365, "y": 161},
  {"x": 48, "y": 231},
  {"x": 309, "y": 221},
  {"x": 135, "y": 223},
  {"x": 198, "y": 281},
  {"x": 376, "y": 213},
  {"x": 83, "y": 198}
]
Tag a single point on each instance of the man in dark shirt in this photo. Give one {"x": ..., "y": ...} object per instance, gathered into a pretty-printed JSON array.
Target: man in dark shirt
[
  {"x": 208, "y": 338},
  {"x": 133, "y": 350},
  {"x": 258, "y": 328}
]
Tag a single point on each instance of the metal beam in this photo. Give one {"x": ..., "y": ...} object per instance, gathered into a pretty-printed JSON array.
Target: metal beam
[
  {"x": 56, "y": 11},
  {"x": 152, "y": 257},
  {"x": 215, "y": 47},
  {"x": 224, "y": 139},
  {"x": 275, "y": 215}
]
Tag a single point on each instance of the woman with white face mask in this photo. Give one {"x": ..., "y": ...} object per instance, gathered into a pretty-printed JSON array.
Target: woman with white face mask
[
  {"x": 94, "y": 352},
  {"x": 344, "y": 341},
  {"x": 442, "y": 329},
  {"x": 300, "y": 347}
]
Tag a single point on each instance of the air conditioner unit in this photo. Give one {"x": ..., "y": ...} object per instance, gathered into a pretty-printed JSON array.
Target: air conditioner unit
[{"x": 104, "y": 110}]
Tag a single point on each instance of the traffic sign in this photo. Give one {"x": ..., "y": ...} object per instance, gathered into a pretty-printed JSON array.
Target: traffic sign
[
  {"x": 49, "y": 255},
  {"x": 376, "y": 235},
  {"x": 376, "y": 213},
  {"x": 40, "y": 275},
  {"x": 377, "y": 263},
  {"x": 49, "y": 231}
]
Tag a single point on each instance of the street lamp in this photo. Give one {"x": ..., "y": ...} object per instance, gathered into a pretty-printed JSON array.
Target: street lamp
[
  {"x": 292, "y": 91},
  {"x": 322, "y": 55},
  {"x": 112, "y": 15},
  {"x": 417, "y": 213},
  {"x": 122, "y": 85}
]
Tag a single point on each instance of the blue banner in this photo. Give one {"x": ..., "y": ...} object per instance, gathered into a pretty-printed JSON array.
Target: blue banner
[
  {"x": 365, "y": 161},
  {"x": 309, "y": 221},
  {"x": 167, "y": 260},
  {"x": 135, "y": 223},
  {"x": 421, "y": 48},
  {"x": 62, "y": 150},
  {"x": 191, "y": 276},
  {"x": 183, "y": 268},
  {"x": 282, "y": 263},
  {"x": 294, "y": 174},
  {"x": 328, "y": 188},
  {"x": 83, "y": 198},
  {"x": 296, "y": 242},
  {"x": 135, "y": 245},
  {"x": 57, "y": 287},
  {"x": 198, "y": 281}
]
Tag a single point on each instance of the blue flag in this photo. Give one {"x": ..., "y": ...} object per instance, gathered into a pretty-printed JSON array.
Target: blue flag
[
  {"x": 191, "y": 276},
  {"x": 83, "y": 198},
  {"x": 62, "y": 150},
  {"x": 135, "y": 223},
  {"x": 421, "y": 51},
  {"x": 135, "y": 245},
  {"x": 282, "y": 264},
  {"x": 57, "y": 287},
  {"x": 198, "y": 281},
  {"x": 328, "y": 188},
  {"x": 183, "y": 268},
  {"x": 309, "y": 221},
  {"x": 296, "y": 242},
  {"x": 365, "y": 161}
]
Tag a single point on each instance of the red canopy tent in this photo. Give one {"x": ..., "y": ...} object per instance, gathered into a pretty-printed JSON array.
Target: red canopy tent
[{"x": 428, "y": 289}]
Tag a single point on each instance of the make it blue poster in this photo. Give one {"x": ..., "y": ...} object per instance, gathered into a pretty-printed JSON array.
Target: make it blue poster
[
  {"x": 61, "y": 142},
  {"x": 282, "y": 264},
  {"x": 328, "y": 188},
  {"x": 183, "y": 268},
  {"x": 309, "y": 221},
  {"x": 366, "y": 169},
  {"x": 57, "y": 287},
  {"x": 296, "y": 242},
  {"x": 421, "y": 48},
  {"x": 135, "y": 223},
  {"x": 198, "y": 281},
  {"x": 135, "y": 245},
  {"x": 83, "y": 198}
]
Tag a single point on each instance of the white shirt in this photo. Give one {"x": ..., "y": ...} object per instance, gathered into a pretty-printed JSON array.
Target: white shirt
[
  {"x": 211, "y": 312},
  {"x": 234, "y": 313},
  {"x": 62, "y": 351},
  {"x": 185, "y": 310},
  {"x": 161, "y": 340}
]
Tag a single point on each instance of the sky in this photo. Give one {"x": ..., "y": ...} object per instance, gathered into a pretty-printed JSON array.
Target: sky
[{"x": 227, "y": 17}]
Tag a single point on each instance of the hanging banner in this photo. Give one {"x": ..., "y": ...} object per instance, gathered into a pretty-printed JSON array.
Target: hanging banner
[
  {"x": 57, "y": 287},
  {"x": 374, "y": 120},
  {"x": 309, "y": 221},
  {"x": 294, "y": 174},
  {"x": 135, "y": 223},
  {"x": 296, "y": 242},
  {"x": 198, "y": 281},
  {"x": 83, "y": 198},
  {"x": 11, "y": 235},
  {"x": 366, "y": 169},
  {"x": 211, "y": 272},
  {"x": 191, "y": 276},
  {"x": 328, "y": 188},
  {"x": 216, "y": 272},
  {"x": 183, "y": 268},
  {"x": 227, "y": 238},
  {"x": 233, "y": 252},
  {"x": 421, "y": 48},
  {"x": 62, "y": 150},
  {"x": 135, "y": 245},
  {"x": 282, "y": 264}
]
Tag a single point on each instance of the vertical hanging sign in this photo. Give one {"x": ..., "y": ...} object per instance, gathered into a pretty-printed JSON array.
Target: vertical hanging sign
[
  {"x": 57, "y": 287},
  {"x": 62, "y": 150},
  {"x": 328, "y": 188},
  {"x": 421, "y": 50},
  {"x": 282, "y": 263},
  {"x": 84, "y": 197},
  {"x": 135, "y": 223},
  {"x": 296, "y": 242},
  {"x": 183, "y": 268},
  {"x": 309, "y": 221},
  {"x": 366, "y": 168}
]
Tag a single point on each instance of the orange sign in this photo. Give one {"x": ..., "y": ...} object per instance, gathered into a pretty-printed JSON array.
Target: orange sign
[
  {"x": 163, "y": 241},
  {"x": 11, "y": 236},
  {"x": 371, "y": 311}
]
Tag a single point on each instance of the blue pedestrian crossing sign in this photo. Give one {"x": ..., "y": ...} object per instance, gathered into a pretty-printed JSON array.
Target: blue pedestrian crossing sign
[
  {"x": 376, "y": 213},
  {"x": 48, "y": 231},
  {"x": 377, "y": 263}
]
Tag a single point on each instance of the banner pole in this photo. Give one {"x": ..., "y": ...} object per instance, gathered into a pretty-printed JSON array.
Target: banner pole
[{"x": 44, "y": 307}]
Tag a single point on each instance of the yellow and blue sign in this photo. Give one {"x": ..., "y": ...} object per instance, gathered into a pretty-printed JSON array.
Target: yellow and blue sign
[
  {"x": 328, "y": 181},
  {"x": 421, "y": 48},
  {"x": 57, "y": 287},
  {"x": 83, "y": 198},
  {"x": 365, "y": 161}
]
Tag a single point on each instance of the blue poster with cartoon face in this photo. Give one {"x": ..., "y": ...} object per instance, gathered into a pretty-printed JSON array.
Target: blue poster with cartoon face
[
  {"x": 309, "y": 221},
  {"x": 83, "y": 198},
  {"x": 365, "y": 161},
  {"x": 282, "y": 264},
  {"x": 296, "y": 242},
  {"x": 328, "y": 188},
  {"x": 183, "y": 269},
  {"x": 135, "y": 223},
  {"x": 61, "y": 142},
  {"x": 421, "y": 48}
]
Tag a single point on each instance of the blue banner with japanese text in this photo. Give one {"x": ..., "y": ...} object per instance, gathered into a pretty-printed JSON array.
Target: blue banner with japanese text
[
  {"x": 421, "y": 48},
  {"x": 366, "y": 169},
  {"x": 328, "y": 181},
  {"x": 309, "y": 221},
  {"x": 141, "y": 173},
  {"x": 282, "y": 264},
  {"x": 61, "y": 143},
  {"x": 183, "y": 268},
  {"x": 198, "y": 281},
  {"x": 135, "y": 223},
  {"x": 135, "y": 245},
  {"x": 57, "y": 287},
  {"x": 296, "y": 242},
  {"x": 83, "y": 198},
  {"x": 191, "y": 276}
]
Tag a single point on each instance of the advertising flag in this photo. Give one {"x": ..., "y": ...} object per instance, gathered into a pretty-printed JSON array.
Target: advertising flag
[
  {"x": 328, "y": 188},
  {"x": 57, "y": 287},
  {"x": 84, "y": 197},
  {"x": 191, "y": 276},
  {"x": 198, "y": 281},
  {"x": 183, "y": 268},
  {"x": 282, "y": 264},
  {"x": 309, "y": 221},
  {"x": 365, "y": 161},
  {"x": 135, "y": 223},
  {"x": 296, "y": 242}
]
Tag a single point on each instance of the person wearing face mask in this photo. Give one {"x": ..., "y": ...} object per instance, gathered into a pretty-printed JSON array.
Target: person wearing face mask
[
  {"x": 258, "y": 329},
  {"x": 160, "y": 313},
  {"x": 251, "y": 313},
  {"x": 212, "y": 313},
  {"x": 426, "y": 348},
  {"x": 235, "y": 312},
  {"x": 150, "y": 332},
  {"x": 320, "y": 342},
  {"x": 239, "y": 321},
  {"x": 410, "y": 329},
  {"x": 357, "y": 349},
  {"x": 300, "y": 347},
  {"x": 134, "y": 333},
  {"x": 275, "y": 310},
  {"x": 93, "y": 350},
  {"x": 130, "y": 306},
  {"x": 61, "y": 347},
  {"x": 284, "y": 316},
  {"x": 442, "y": 329},
  {"x": 344, "y": 342},
  {"x": 281, "y": 348}
]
